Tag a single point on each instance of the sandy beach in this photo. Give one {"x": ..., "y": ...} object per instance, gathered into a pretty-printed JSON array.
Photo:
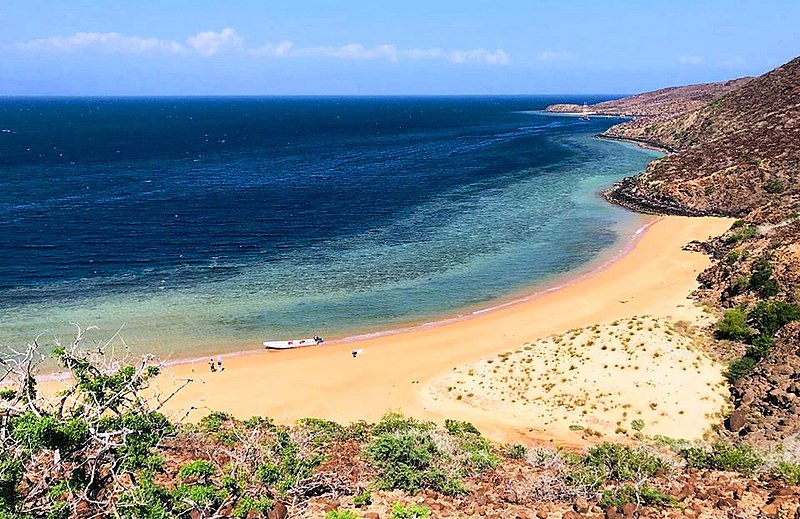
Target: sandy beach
[{"x": 397, "y": 371}]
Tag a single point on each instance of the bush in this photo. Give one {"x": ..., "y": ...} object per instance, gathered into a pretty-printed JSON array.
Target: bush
[
  {"x": 396, "y": 422},
  {"x": 200, "y": 470},
  {"x": 291, "y": 468},
  {"x": 770, "y": 316},
  {"x": 247, "y": 504},
  {"x": 341, "y": 514},
  {"x": 407, "y": 461},
  {"x": 739, "y": 368},
  {"x": 11, "y": 471},
  {"x": 362, "y": 499},
  {"x": 321, "y": 431},
  {"x": 515, "y": 451},
  {"x": 787, "y": 472},
  {"x": 144, "y": 432},
  {"x": 46, "y": 432},
  {"x": 214, "y": 421},
  {"x": 414, "y": 511},
  {"x": 740, "y": 458},
  {"x": 741, "y": 233},
  {"x": 733, "y": 325},
  {"x": 642, "y": 495},
  {"x": 612, "y": 462},
  {"x": 761, "y": 280},
  {"x": 775, "y": 186},
  {"x": 259, "y": 421},
  {"x": 412, "y": 455}
]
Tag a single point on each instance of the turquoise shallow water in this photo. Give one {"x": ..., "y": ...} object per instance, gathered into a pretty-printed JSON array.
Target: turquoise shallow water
[{"x": 211, "y": 224}]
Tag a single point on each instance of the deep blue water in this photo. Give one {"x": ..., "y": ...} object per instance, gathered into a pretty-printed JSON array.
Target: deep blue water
[{"x": 203, "y": 223}]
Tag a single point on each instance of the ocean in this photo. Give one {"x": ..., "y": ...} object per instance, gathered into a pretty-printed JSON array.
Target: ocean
[{"x": 197, "y": 225}]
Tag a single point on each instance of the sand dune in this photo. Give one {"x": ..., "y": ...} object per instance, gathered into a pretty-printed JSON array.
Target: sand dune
[
  {"x": 396, "y": 370},
  {"x": 638, "y": 374}
]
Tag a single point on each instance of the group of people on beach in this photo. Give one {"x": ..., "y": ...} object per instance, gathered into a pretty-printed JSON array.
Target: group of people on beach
[{"x": 216, "y": 367}]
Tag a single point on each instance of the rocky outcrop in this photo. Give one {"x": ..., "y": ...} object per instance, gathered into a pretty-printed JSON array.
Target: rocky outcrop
[{"x": 768, "y": 399}]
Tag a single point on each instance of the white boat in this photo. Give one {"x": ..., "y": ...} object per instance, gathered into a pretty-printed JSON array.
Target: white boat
[{"x": 297, "y": 343}]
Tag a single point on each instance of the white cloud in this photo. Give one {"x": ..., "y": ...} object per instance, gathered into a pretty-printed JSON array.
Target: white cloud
[
  {"x": 691, "y": 60},
  {"x": 498, "y": 57},
  {"x": 111, "y": 42},
  {"x": 282, "y": 48},
  {"x": 351, "y": 51},
  {"x": 212, "y": 43},
  {"x": 555, "y": 55}
]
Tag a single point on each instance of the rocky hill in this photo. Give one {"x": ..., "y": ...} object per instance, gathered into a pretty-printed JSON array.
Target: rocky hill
[{"x": 738, "y": 155}]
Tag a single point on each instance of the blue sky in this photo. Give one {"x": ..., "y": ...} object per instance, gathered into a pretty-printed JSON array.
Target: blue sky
[{"x": 177, "y": 47}]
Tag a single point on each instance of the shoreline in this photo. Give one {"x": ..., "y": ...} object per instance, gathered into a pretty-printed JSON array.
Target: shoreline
[
  {"x": 653, "y": 278},
  {"x": 642, "y": 143},
  {"x": 619, "y": 249}
]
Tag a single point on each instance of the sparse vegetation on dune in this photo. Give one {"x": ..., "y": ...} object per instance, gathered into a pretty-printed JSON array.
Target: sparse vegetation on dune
[{"x": 594, "y": 381}]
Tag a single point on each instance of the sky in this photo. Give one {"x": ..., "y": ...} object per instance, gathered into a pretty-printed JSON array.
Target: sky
[{"x": 374, "y": 47}]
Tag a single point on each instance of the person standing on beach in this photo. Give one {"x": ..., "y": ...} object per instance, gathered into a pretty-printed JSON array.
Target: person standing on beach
[
  {"x": 211, "y": 365},
  {"x": 219, "y": 364}
]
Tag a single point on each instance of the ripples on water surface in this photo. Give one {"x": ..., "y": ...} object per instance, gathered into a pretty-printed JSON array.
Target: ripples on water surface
[{"x": 206, "y": 224}]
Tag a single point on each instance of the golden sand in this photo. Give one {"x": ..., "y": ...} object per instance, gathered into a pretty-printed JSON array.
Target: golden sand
[{"x": 397, "y": 371}]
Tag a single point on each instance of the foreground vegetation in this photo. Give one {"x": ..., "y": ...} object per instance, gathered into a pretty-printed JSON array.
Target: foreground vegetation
[{"x": 99, "y": 448}]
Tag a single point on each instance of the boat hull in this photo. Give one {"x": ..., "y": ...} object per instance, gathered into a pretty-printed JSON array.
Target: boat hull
[{"x": 288, "y": 345}]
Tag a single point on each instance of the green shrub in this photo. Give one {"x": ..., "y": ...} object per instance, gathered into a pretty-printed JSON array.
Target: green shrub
[
  {"x": 733, "y": 325},
  {"x": 643, "y": 495},
  {"x": 290, "y": 468},
  {"x": 787, "y": 472},
  {"x": 200, "y": 496},
  {"x": 761, "y": 280},
  {"x": 247, "y": 504},
  {"x": 732, "y": 257},
  {"x": 214, "y": 421},
  {"x": 741, "y": 233},
  {"x": 341, "y": 514},
  {"x": 11, "y": 471},
  {"x": 741, "y": 285},
  {"x": 362, "y": 499},
  {"x": 396, "y": 422},
  {"x": 200, "y": 470},
  {"x": 515, "y": 451},
  {"x": 321, "y": 432},
  {"x": 739, "y": 368},
  {"x": 144, "y": 434},
  {"x": 146, "y": 500},
  {"x": 770, "y": 316},
  {"x": 457, "y": 428},
  {"x": 739, "y": 458},
  {"x": 775, "y": 186},
  {"x": 610, "y": 462},
  {"x": 46, "y": 432},
  {"x": 360, "y": 431},
  {"x": 259, "y": 421},
  {"x": 412, "y": 455},
  {"x": 414, "y": 511}
]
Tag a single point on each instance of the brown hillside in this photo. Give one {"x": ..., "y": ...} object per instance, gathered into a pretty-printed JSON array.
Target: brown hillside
[
  {"x": 738, "y": 155},
  {"x": 667, "y": 101}
]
